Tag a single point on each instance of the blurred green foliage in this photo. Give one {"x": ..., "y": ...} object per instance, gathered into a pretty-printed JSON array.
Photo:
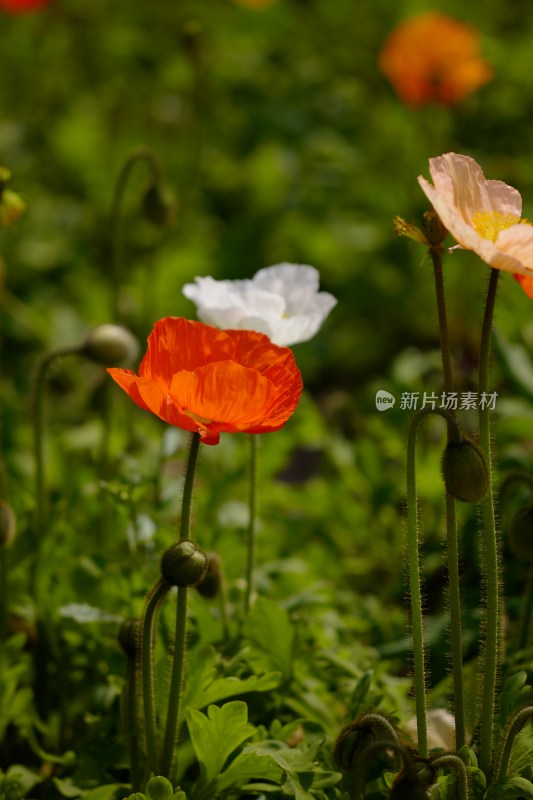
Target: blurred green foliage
[{"x": 282, "y": 142}]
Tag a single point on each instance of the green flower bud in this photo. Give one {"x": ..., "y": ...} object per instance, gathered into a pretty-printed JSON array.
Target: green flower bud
[
  {"x": 110, "y": 345},
  {"x": 159, "y": 205},
  {"x": 129, "y": 636},
  {"x": 521, "y": 534},
  {"x": 209, "y": 586},
  {"x": 434, "y": 229},
  {"x": 159, "y": 788},
  {"x": 11, "y": 207},
  {"x": 8, "y": 524},
  {"x": 464, "y": 471},
  {"x": 350, "y": 743},
  {"x": 183, "y": 564}
]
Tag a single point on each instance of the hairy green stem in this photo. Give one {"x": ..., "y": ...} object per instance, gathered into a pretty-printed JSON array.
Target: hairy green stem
[
  {"x": 454, "y": 583},
  {"x": 141, "y": 154},
  {"x": 490, "y": 561},
  {"x": 453, "y": 762},
  {"x": 513, "y": 729},
  {"x": 131, "y": 723},
  {"x": 363, "y": 761},
  {"x": 251, "y": 532},
  {"x": 180, "y": 637},
  {"x": 159, "y": 591},
  {"x": 414, "y": 572},
  {"x": 42, "y": 366}
]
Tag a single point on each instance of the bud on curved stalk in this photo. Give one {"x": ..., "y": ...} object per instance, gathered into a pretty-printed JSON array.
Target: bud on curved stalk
[
  {"x": 159, "y": 205},
  {"x": 129, "y": 637},
  {"x": 110, "y": 345},
  {"x": 184, "y": 564},
  {"x": 210, "y": 585},
  {"x": 464, "y": 471},
  {"x": 357, "y": 735},
  {"x": 11, "y": 205},
  {"x": 521, "y": 534}
]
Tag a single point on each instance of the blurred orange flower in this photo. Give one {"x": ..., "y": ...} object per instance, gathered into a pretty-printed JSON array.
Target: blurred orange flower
[
  {"x": 255, "y": 3},
  {"x": 202, "y": 379},
  {"x": 432, "y": 58},
  {"x": 21, "y": 6}
]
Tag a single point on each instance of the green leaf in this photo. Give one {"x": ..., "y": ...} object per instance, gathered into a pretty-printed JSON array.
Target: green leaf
[
  {"x": 106, "y": 792},
  {"x": 360, "y": 693},
  {"x": 204, "y": 688},
  {"x": 249, "y": 766},
  {"x": 522, "y": 752},
  {"x": 270, "y": 629},
  {"x": 66, "y": 788},
  {"x": 217, "y": 735},
  {"x": 517, "y": 362},
  {"x": 512, "y": 786},
  {"x": 512, "y": 695}
]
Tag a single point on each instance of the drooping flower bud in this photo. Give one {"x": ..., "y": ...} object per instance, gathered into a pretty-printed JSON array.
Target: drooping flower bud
[
  {"x": 129, "y": 636},
  {"x": 464, "y": 471},
  {"x": 159, "y": 205},
  {"x": 11, "y": 205},
  {"x": 433, "y": 228},
  {"x": 521, "y": 534},
  {"x": 350, "y": 743},
  {"x": 209, "y": 586},
  {"x": 8, "y": 524},
  {"x": 159, "y": 788},
  {"x": 110, "y": 345},
  {"x": 183, "y": 564}
]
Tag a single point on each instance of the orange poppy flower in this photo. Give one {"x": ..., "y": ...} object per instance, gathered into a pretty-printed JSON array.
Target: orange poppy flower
[
  {"x": 526, "y": 282},
  {"x": 432, "y": 58},
  {"x": 21, "y": 6},
  {"x": 202, "y": 379}
]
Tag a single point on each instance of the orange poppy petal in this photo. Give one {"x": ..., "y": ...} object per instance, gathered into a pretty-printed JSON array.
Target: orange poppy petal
[
  {"x": 526, "y": 282},
  {"x": 224, "y": 396},
  {"x": 176, "y": 344}
]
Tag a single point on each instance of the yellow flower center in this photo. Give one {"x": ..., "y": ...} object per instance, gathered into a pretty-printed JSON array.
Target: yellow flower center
[
  {"x": 490, "y": 224},
  {"x": 197, "y": 417}
]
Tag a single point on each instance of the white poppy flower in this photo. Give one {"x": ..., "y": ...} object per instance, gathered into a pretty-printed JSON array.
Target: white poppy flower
[{"x": 282, "y": 301}]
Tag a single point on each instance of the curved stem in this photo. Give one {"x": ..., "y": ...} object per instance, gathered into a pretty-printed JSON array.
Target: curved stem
[
  {"x": 491, "y": 651},
  {"x": 454, "y": 583},
  {"x": 42, "y": 366},
  {"x": 518, "y": 476},
  {"x": 141, "y": 154},
  {"x": 382, "y": 725},
  {"x": 414, "y": 572},
  {"x": 364, "y": 761},
  {"x": 251, "y": 532},
  {"x": 178, "y": 662},
  {"x": 513, "y": 729},
  {"x": 157, "y": 594},
  {"x": 451, "y": 761}
]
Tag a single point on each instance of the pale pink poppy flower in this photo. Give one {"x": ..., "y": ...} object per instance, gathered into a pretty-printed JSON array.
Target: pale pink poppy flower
[{"x": 481, "y": 215}]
